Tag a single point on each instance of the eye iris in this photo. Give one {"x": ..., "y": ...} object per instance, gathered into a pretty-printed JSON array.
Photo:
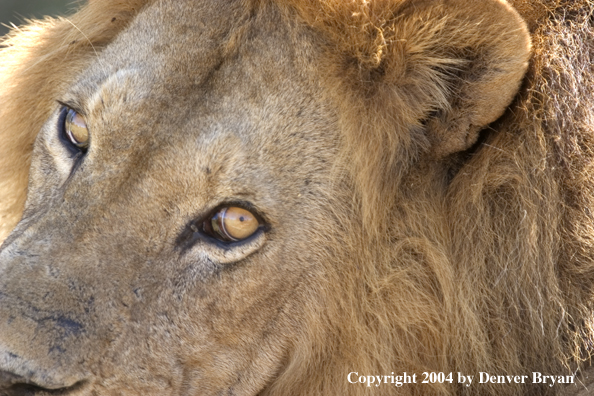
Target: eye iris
[
  {"x": 76, "y": 129},
  {"x": 234, "y": 223}
]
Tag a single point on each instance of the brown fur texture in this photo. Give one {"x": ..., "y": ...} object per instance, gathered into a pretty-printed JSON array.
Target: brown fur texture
[{"x": 426, "y": 213}]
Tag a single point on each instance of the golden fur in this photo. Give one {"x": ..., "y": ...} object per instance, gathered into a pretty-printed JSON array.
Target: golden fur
[{"x": 457, "y": 234}]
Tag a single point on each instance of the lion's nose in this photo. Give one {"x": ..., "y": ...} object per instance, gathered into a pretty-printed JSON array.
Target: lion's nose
[
  {"x": 16, "y": 385},
  {"x": 19, "y": 378},
  {"x": 13, "y": 385},
  {"x": 7, "y": 380}
]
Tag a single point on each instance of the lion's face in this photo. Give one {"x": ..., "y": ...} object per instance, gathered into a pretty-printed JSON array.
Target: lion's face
[
  {"x": 229, "y": 193},
  {"x": 115, "y": 278}
]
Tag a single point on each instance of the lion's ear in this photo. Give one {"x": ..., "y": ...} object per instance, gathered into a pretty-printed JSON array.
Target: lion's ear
[
  {"x": 469, "y": 57},
  {"x": 448, "y": 66}
]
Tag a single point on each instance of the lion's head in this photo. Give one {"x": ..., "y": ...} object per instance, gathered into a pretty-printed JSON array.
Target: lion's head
[{"x": 261, "y": 197}]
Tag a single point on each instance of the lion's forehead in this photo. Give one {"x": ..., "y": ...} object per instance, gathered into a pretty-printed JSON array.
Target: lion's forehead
[
  {"x": 232, "y": 115},
  {"x": 180, "y": 55},
  {"x": 188, "y": 77}
]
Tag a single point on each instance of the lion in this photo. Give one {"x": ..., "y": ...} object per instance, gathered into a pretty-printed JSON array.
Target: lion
[{"x": 298, "y": 197}]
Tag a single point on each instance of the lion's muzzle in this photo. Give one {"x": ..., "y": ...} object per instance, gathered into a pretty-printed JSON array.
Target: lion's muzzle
[
  {"x": 32, "y": 375},
  {"x": 40, "y": 335}
]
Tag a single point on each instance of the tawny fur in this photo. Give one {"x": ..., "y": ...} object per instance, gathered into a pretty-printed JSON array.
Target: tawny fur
[
  {"x": 64, "y": 46},
  {"x": 469, "y": 257}
]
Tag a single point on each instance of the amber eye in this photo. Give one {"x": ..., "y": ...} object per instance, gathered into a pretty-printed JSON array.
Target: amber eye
[
  {"x": 231, "y": 223},
  {"x": 75, "y": 129}
]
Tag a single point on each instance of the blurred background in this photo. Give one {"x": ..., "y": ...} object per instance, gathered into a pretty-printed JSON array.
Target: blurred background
[{"x": 15, "y": 11}]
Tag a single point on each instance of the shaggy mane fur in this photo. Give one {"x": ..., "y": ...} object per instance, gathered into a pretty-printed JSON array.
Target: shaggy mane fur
[{"x": 487, "y": 267}]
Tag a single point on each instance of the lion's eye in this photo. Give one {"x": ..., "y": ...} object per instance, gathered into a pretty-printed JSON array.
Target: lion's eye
[
  {"x": 231, "y": 224},
  {"x": 74, "y": 129}
]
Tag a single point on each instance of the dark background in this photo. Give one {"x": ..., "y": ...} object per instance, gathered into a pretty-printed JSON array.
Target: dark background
[{"x": 15, "y": 11}]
